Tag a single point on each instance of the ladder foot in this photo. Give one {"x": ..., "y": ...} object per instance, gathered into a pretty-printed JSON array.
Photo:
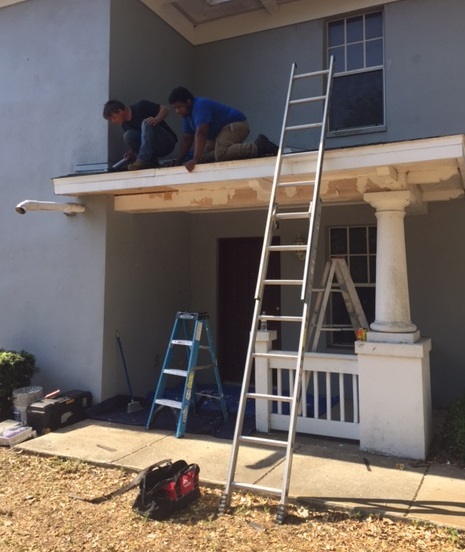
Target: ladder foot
[
  {"x": 224, "y": 503},
  {"x": 281, "y": 514}
]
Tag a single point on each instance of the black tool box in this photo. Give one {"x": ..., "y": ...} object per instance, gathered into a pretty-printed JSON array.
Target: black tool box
[{"x": 50, "y": 414}]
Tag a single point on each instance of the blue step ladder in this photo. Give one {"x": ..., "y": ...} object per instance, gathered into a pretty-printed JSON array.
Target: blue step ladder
[{"x": 187, "y": 334}]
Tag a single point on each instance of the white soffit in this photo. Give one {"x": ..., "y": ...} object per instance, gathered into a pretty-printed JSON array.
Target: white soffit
[
  {"x": 5, "y": 3},
  {"x": 282, "y": 15}
]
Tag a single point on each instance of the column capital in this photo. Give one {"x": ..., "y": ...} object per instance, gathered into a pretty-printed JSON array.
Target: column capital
[{"x": 389, "y": 201}]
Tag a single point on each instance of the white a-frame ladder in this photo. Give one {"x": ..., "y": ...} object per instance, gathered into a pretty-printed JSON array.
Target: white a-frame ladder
[{"x": 277, "y": 215}]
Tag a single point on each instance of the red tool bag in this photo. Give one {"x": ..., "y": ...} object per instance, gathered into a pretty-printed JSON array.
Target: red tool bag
[{"x": 166, "y": 488}]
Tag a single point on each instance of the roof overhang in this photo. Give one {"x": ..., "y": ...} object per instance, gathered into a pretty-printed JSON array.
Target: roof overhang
[
  {"x": 203, "y": 21},
  {"x": 433, "y": 169}
]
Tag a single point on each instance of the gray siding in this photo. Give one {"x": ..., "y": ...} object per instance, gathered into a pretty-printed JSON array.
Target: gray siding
[{"x": 54, "y": 72}]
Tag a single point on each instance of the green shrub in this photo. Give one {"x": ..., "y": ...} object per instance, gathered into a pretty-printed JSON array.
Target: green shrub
[
  {"x": 455, "y": 428},
  {"x": 16, "y": 370}
]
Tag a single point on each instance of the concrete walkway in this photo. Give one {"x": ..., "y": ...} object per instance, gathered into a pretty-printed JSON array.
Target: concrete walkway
[{"x": 325, "y": 472}]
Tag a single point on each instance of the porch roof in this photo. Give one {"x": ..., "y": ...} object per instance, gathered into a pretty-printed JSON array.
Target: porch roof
[{"x": 433, "y": 169}]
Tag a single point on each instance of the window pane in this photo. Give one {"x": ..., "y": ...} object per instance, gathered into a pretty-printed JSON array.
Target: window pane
[
  {"x": 374, "y": 52},
  {"x": 357, "y": 240},
  {"x": 336, "y": 33},
  {"x": 367, "y": 298},
  {"x": 357, "y": 101},
  {"x": 355, "y": 29},
  {"x": 355, "y": 56},
  {"x": 338, "y": 241},
  {"x": 339, "y": 62},
  {"x": 374, "y": 25},
  {"x": 372, "y": 239},
  {"x": 372, "y": 269},
  {"x": 359, "y": 269}
]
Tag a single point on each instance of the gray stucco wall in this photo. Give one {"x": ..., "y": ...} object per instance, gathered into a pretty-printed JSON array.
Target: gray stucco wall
[
  {"x": 423, "y": 89},
  {"x": 54, "y": 73}
]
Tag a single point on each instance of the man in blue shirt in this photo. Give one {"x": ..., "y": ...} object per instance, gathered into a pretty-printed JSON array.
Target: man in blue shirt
[
  {"x": 146, "y": 132},
  {"x": 217, "y": 131}
]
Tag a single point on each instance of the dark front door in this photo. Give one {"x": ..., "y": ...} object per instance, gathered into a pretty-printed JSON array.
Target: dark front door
[{"x": 239, "y": 260}]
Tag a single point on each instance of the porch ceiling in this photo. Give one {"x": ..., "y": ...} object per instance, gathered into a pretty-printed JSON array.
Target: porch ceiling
[
  {"x": 201, "y": 21},
  {"x": 433, "y": 169}
]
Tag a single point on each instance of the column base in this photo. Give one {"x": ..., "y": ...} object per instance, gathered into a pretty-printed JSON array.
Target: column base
[
  {"x": 393, "y": 327},
  {"x": 389, "y": 337},
  {"x": 395, "y": 398}
]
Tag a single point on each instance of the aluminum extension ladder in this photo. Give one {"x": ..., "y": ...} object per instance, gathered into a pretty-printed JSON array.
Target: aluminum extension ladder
[
  {"x": 279, "y": 215},
  {"x": 335, "y": 269},
  {"x": 187, "y": 334}
]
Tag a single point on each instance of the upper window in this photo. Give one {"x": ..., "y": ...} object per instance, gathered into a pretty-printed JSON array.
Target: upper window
[{"x": 357, "y": 44}]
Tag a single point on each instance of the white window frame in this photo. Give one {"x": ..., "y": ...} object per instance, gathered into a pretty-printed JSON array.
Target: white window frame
[{"x": 364, "y": 69}]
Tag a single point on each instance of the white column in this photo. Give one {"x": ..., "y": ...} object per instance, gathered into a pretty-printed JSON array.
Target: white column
[{"x": 392, "y": 310}]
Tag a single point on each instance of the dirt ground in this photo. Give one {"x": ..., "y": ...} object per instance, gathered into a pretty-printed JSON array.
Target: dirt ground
[{"x": 37, "y": 514}]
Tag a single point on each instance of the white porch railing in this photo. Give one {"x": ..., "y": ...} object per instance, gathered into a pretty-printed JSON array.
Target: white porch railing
[{"x": 330, "y": 398}]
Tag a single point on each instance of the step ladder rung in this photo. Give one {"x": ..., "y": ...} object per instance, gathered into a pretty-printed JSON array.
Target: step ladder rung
[
  {"x": 263, "y": 441},
  {"x": 263, "y": 396},
  {"x": 169, "y": 402},
  {"x": 176, "y": 372},
  {"x": 292, "y": 216},
  {"x": 320, "y": 73},
  {"x": 252, "y": 487},
  {"x": 307, "y": 100},
  {"x": 303, "y": 127},
  {"x": 283, "y": 282},
  {"x": 187, "y": 342},
  {"x": 203, "y": 367}
]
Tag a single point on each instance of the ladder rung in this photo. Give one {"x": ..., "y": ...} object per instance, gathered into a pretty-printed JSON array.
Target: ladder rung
[
  {"x": 296, "y": 183},
  {"x": 294, "y": 215},
  {"x": 283, "y": 282},
  {"x": 252, "y": 487},
  {"x": 175, "y": 372},
  {"x": 312, "y": 74},
  {"x": 170, "y": 403},
  {"x": 276, "y": 355},
  {"x": 181, "y": 342},
  {"x": 306, "y": 100},
  {"x": 293, "y": 247},
  {"x": 280, "y": 398},
  {"x": 303, "y": 127},
  {"x": 280, "y": 318},
  {"x": 262, "y": 441}
]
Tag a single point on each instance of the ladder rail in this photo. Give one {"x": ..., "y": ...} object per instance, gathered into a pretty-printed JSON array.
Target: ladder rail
[
  {"x": 314, "y": 218},
  {"x": 313, "y": 214},
  {"x": 259, "y": 292}
]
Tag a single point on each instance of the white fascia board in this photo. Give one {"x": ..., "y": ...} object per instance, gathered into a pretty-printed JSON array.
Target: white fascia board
[
  {"x": 338, "y": 163},
  {"x": 256, "y": 21}
]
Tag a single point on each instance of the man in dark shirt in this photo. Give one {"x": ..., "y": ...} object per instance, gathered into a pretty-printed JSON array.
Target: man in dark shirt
[
  {"x": 146, "y": 132},
  {"x": 217, "y": 131}
]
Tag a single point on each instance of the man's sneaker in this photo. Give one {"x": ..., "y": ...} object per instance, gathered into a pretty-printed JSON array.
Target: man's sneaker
[
  {"x": 140, "y": 164},
  {"x": 265, "y": 146}
]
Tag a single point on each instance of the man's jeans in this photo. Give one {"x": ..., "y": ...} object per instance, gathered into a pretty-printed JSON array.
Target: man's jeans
[{"x": 151, "y": 142}]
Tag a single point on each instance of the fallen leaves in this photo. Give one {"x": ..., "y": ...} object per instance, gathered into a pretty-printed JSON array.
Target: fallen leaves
[{"x": 37, "y": 514}]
